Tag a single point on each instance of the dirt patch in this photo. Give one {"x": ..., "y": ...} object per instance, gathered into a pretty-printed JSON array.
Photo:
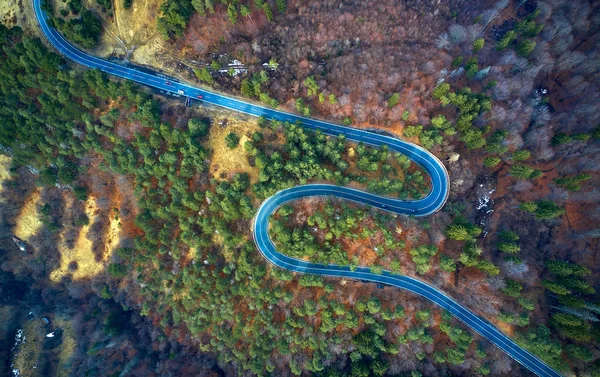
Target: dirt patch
[
  {"x": 28, "y": 221},
  {"x": 79, "y": 260},
  {"x": 227, "y": 162},
  {"x": 67, "y": 346},
  {"x": 34, "y": 336},
  {"x": 18, "y": 13},
  {"x": 131, "y": 34},
  {"x": 4, "y": 173}
]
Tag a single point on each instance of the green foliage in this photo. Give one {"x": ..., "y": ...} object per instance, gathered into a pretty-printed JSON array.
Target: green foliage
[
  {"x": 508, "y": 236},
  {"x": 458, "y": 232},
  {"x": 80, "y": 192},
  {"x": 523, "y": 319},
  {"x": 105, "y": 293},
  {"x": 509, "y": 247},
  {"x": 556, "y": 287},
  {"x": 198, "y": 127},
  {"x": 539, "y": 342},
  {"x": 412, "y": 131},
  {"x": 447, "y": 264},
  {"x": 175, "y": 15},
  {"x": 543, "y": 209},
  {"x": 522, "y": 171},
  {"x": 484, "y": 369},
  {"x": 491, "y": 161},
  {"x": 478, "y": 44},
  {"x": 528, "y": 27},
  {"x": 441, "y": 123},
  {"x": 405, "y": 115},
  {"x": 376, "y": 270},
  {"x": 311, "y": 86},
  {"x": 462, "y": 230},
  {"x": 204, "y": 75},
  {"x": 572, "y": 183},
  {"x": 84, "y": 30},
  {"x": 373, "y": 305},
  {"x": 117, "y": 270},
  {"x": 472, "y": 67},
  {"x": 421, "y": 256},
  {"x": 470, "y": 106},
  {"x": 560, "y": 138},
  {"x": 512, "y": 288},
  {"x": 564, "y": 268},
  {"x": 455, "y": 357},
  {"x": 441, "y": 91},
  {"x": 506, "y": 317},
  {"x": 232, "y": 13},
  {"x": 303, "y": 108},
  {"x": 506, "y": 40},
  {"x": 525, "y": 47},
  {"x": 232, "y": 140},
  {"x": 281, "y": 5},
  {"x": 521, "y": 155},
  {"x": 580, "y": 352},
  {"x": 458, "y": 61},
  {"x": 393, "y": 100}
]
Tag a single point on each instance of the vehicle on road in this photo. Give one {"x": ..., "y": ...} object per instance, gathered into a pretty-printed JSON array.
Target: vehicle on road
[
  {"x": 199, "y": 96},
  {"x": 383, "y": 206},
  {"x": 412, "y": 210},
  {"x": 180, "y": 91},
  {"x": 168, "y": 83}
]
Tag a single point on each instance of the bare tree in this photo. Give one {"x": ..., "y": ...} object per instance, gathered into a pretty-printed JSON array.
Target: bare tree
[
  {"x": 541, "y": 115},
  {"x": 543, "y": 58},
  {"x": 488, "y": 16},
  {"x": 579, "y": 17},
  {"x": 538, "y": 141},
  {"x": 562, "y": 45},
  {"x": 458, "y": 34},
  {"x": 560, "y": 27},
  {"x": 443, "y": 41},
  {"x": 516, "y": 270},
  {"x": 569, "y": 60},
  {"x": 576, "y": 85}
]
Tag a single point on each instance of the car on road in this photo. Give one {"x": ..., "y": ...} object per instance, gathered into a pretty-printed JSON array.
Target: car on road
[
  {"x": 412, "y": 210},
  {"x": 180, "y": 91},
  {"x": 383, "y": 206},
  {"x": 199, "y": 96},
  {"x": 168, "y": 83}
]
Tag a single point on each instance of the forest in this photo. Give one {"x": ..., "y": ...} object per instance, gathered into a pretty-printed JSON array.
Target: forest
[
  {"x": 505, "y": 93},
  {"x": 185, "y": 293}
]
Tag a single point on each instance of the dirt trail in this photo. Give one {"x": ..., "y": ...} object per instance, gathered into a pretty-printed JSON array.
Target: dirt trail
[{"x": 130, "y": 30}]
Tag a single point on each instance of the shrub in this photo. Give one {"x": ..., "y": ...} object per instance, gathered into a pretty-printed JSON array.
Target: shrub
[
  {"x": 491, "y": 161},
  {"x": 204, "y": 75},
  {"x": 521, "y": 155},
  {"x": 525, "y": 47},
  {"x": 412, "y": 131},
  {"x": 232, "y": 140},
  {"x": 393, "y": 100},
  {"x": 117, "y": 270}
]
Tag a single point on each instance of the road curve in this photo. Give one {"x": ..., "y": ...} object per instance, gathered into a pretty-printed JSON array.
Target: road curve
[{"x": 422, "y": 207}]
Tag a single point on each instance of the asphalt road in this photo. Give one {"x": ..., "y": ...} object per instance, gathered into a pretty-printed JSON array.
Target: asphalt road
[{"x": 423, "y": 207}]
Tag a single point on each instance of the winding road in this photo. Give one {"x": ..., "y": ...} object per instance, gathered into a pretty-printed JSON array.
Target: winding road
[{"x": 423, "y": 207}]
